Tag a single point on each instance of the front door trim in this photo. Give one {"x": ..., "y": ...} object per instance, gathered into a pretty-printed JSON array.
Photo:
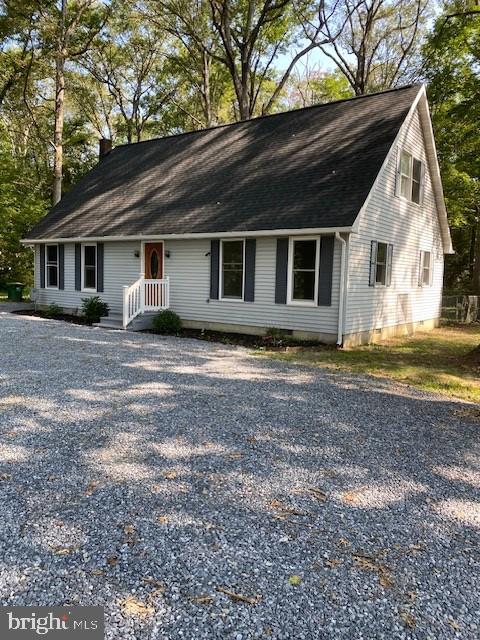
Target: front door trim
[{"x": 142, "y": 254}]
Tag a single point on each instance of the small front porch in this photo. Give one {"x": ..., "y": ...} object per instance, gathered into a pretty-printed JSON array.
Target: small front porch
[{"x": 141, "y": 301}]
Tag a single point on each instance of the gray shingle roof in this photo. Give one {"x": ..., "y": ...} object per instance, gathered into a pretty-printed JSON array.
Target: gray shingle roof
[{"x": 309, "y": 168}]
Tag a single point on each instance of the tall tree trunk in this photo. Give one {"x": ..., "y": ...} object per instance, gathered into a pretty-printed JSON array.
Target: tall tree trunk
[
  {"x": 59, "y": 118},
  {"x": 476, "y": 261}
]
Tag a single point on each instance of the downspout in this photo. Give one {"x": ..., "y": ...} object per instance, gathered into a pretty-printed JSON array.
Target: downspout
[{"x": 341, "y": 302}]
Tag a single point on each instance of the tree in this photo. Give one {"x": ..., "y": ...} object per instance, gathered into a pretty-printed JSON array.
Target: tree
[
  {"x": 130, "y": 61},
  {"x": 451, "y": 62},
  {"x": 310, "y": 85},
  {"x": 374, "y": 43}
]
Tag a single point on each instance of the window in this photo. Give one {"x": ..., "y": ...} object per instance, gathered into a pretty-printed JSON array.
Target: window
[
  {"x": 89, "y": 268},
  {"x": 381, "y": 258},
  {"x": 410, "y": 176},
  {"x": 232, "y": 269},
  {"x": 381, "y": 270},
  {"x": 425, "y": 278},
  {"x": 304, "y": 270},
  {"x": 51, "y": 266}
]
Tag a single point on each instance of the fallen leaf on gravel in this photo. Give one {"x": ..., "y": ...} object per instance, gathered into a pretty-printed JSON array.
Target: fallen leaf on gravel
[
  {"x": 238, "y": 597},
  {"x": 202, "y": 599},
  {"x": 295, "y": 581},
  {"x": 350, "y": 496},
  {"x": 5, "y": 476},
  {"x": 234, "y": 456},
  {"x": 51, "y": 478},
  {"x": 112, "y": 560},
  {"x": 170, "y": 475},
  {"x": 162, "y": 519},
  {"x": 453, "y": 624},
  {"x": 408, "y": 619},
  {"x": 128, "y": 529},
  {"x": 91, "y": 486},
  {"x": 412, "y": 596},
  {"x": 284, "y": 510},
  {"x": 155, "y": 583},
  {"x": 133, "y": 607},
  {"x": 343, "y": 542},
  {"x": 386, "y": 580},
  {"x": 320, "y": 495},
  {"x": 416, "y": 548},
  {"x": 334, "y": 562},
  {"x": 97, "y": 572},
  {"x": 367, "y": 563},
  {"x": 63, "y": 551}
]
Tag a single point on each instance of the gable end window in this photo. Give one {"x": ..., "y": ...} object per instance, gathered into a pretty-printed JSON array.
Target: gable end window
[
  {"x": 51, "y": 266},
  {"x": 425, "y": 275},
  {"x": 303, "y": 271},
  {"x": 410, "y": 177},
  {"x": 381, "y": 261},
  {"x": 233, "y": 269},
  {"x": 89, "y": 267}
]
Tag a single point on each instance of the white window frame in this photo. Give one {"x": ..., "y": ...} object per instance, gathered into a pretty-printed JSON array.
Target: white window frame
[
  {"x": 381, "y": 284},
  {"x": 89, "y": 244},
  {"x": 421, "y": 281},
  {"x": 290, "y": 298},
  {"x": 409, "y": 177},
  {"x": 47, "y": 286},
  {"x": 229, "y": 298}
]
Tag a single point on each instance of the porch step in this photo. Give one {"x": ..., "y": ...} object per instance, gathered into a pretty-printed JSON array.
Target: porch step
[
  {"x": 112, "y": 321},
  {"x": 115, "y": 321}
]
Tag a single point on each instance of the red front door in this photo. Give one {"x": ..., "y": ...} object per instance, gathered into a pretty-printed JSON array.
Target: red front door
[{"x": 154, "y": 260}]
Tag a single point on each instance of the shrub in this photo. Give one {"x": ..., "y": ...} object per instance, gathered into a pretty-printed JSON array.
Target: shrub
[
  {"x": 276, "y": 337},
  {"x": 52, "y": 311},
  {"x": 167, "y": 322},
  {"x": 93, "y": 309}
]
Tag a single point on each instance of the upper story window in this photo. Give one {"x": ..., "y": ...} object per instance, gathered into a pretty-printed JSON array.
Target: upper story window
[
  {"x": 233, "y": 264},
  {"x": 51, "y": 266},
  {"x": 410, "y": 175},
  {"x": 303, "y": 276},
  {"x": 89, "y": 267}
]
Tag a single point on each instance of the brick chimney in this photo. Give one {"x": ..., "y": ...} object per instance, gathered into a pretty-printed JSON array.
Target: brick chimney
[{"x": 104, "y": 147}]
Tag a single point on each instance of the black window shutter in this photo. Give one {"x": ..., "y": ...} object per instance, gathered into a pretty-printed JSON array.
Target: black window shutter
[
  {"x": 42, "y": 266},
  {"x": 250, "y": 253},
  {"x": 100, "y": 252},
  {"x": 61, "y": 266},
  {"x": 78, "y": 266},
  {"x": 214, "y": 268},
  {"x": 388, "y": 274},
  {"x": 373, "y": 263},
  {"x": 325, "y": 275},
  {"x": 281, "y": 272}
]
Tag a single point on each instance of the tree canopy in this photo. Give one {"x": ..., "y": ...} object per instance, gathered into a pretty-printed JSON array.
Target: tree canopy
[{"x": 73, "y": 71}]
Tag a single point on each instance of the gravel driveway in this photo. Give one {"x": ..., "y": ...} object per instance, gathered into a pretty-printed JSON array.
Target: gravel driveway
[{"x": 199, "y": 492}]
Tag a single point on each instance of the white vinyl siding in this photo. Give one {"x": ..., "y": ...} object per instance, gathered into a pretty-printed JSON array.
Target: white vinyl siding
[
  {"x": 120, "y": 267},
  {"x": 410, "y": 228},
  {"x": 189, "y": 270}
]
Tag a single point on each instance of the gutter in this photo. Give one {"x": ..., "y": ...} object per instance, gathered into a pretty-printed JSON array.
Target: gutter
[{"x": 341, "y": 302}]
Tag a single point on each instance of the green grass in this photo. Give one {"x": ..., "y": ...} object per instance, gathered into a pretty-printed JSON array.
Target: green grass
[{"x": 434, "y": 361}]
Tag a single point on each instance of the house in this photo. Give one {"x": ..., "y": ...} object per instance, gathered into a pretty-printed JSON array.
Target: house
[{"x": 328, "y": 222}]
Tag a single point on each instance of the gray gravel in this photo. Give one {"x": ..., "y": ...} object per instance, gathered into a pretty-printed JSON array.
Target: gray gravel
[{"x": 144, "y": 474}]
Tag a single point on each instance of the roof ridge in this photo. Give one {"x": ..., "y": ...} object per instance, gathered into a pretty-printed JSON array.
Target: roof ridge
[{"x": 270, "y": 115}]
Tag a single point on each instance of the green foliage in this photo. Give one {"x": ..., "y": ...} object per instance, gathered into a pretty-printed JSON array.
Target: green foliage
[
  {"x": 93, "y": 309},
  {"x": 167, "y": 322},
  {"x": 52, "y": 311},
  {"x": 276, "y": 337},
  {"x": 451, "y": 61}
]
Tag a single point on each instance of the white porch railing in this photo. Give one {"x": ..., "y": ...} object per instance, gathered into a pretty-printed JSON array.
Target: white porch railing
[{"x": 144, "y": 295}]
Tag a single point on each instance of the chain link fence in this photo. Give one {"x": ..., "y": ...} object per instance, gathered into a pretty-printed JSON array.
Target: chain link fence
[{"x": 464, "y": 309}]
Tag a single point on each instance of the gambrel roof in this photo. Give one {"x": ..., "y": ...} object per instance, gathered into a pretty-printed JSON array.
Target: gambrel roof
[{"x": 311, "y": 168}]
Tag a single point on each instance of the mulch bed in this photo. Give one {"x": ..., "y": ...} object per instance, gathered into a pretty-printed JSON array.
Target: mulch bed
[
  {"x": 286, "y": 344},
  {"x": 62, "y": 316}
]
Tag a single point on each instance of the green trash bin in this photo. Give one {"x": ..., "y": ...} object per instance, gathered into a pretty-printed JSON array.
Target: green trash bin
[{"x": 15, "y": 291}]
